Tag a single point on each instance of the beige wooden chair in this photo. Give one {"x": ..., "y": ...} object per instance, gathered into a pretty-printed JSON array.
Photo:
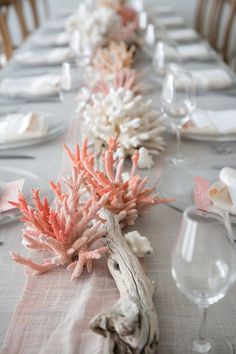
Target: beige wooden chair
[
  {"x": 5, "y": 34},
  {"x": 5, "y": 7},
  {"x": 35, "y": 11},
  {"x": 227, "y": 26},
  {"x": 207, "y": 19},
  {"x": 18, "y": 7},
  {"x": 212, "y": 22}
]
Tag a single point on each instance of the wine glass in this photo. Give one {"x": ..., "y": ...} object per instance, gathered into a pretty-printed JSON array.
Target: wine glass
[
  {"x": 178, "y": 101},
  {"x": 71, "y": 82},
  {"x": 138, "y": 5},
  {"x": 165, "y": 55},
  {"x": 203, "y": 267}
]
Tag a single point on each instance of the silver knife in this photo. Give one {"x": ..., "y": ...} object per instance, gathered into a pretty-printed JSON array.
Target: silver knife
[{"x": 16, "y": 157}]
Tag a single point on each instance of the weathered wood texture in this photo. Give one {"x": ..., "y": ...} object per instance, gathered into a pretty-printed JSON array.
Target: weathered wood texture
[{"x": 131, "y": 326}]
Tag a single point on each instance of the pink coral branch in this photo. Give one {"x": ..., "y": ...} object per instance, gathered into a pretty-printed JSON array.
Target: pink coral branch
[
  {"x": 68, "y": 231},
  {"x": 38, "y": 268},
  {"x": 128, "y": 198}
]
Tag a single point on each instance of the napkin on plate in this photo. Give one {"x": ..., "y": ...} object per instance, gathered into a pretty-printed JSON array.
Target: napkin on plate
[
  {"x": 223, "y": 192},
  {"x": 194, "y": 51},
  {"x": 170, "y": 21},
  {"x": 213, "y": 78},
  {"x": 213, "y": 122},
  {"x": 183, "y": 34},
  {"x": 60, "y": 39},
  {"x": 43, "y": 85},
  {"x": 163, "y": 9},
  {"x": 21, "y": 126},
  {"x": 53, "y": 56},
  {"x": 54, "y": 25}
]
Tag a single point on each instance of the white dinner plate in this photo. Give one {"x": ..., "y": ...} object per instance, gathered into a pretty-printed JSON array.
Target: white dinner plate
[
  {"x": 200, "y": 136},
  {"x": 55, "y": 130},
  {"x": 32, "y": 181},
  {"x": 54, "y": 56},
  {"x": 30, "y": 86},
  {"x": 51, "y": 40}
]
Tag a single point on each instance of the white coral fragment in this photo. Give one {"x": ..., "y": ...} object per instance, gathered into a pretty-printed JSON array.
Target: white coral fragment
[
  {"x": 138, "y": 244},
  {"x": 145, "y": 159},
  {"x": 96, "y": 27},
  {"x": 129, "y": 118}
]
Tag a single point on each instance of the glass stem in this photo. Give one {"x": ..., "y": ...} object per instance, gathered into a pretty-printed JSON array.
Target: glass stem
[
  {"x": 202, "y": 327},
  {"x": 178, "y": 137},
  {"x": 201, "y": 344}
]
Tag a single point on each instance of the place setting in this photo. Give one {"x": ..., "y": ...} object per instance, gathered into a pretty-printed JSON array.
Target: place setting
[
  {"x": 184, "y": 119},
  {"x": 12, "y": 182},
  {"x": 43, "y": 57},
  {"x": 23, "y": 129}
]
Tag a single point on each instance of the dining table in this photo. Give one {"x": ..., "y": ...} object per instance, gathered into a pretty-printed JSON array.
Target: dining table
[{"x": 51, "y": 314}]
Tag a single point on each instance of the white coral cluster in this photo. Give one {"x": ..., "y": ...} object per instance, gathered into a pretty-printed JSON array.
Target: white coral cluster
[
  {"x": 126, "y": 116},
  {"x": 96, "y": 27}
]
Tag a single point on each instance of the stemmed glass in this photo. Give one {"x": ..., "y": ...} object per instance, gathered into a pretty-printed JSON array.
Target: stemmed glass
[
  {"x": 165, "y": 55},
  {"x": 138, "y": 5},
  {"x": 203, "y": 266},
  {"x": 178, "y": 101},
  {"x": 71, "y": 82}
]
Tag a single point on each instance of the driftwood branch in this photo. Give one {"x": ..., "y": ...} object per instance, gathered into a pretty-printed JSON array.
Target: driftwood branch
[{"x": 131, "y": 326}]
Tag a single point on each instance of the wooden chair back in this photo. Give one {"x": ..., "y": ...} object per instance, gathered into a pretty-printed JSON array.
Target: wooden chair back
[
  {"x": 34, "y": 9},
  {"x": 18, "y": 7},
  {"x": 211, "y": 23},
  {"x": 5, "y": 34},
  {"x": 228, "y": 27}
]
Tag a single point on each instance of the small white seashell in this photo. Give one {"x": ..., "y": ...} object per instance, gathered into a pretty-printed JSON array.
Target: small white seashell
[
  {"x": 138, "y": 244},
  {"x": 145, "y": 159}
]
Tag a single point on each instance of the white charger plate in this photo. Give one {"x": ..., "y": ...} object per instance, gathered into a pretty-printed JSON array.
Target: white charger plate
[
  {"x": 21, "y": 87},
  {"x": 204, "y": 136},
  {"x": 42, "y": 57},
  {"x": 55, "y": 130}
]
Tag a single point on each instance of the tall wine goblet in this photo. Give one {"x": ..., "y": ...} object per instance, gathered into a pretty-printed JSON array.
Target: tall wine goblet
[
  {"x": 203, "y": 266},
  {"x": 178, "y": 101},
  {"x": 165, "y": 55}
]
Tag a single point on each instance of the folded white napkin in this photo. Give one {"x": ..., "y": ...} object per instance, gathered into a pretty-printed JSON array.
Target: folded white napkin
[
  {"x": 223, "y": 192},
  {"x": 170, "y": 21},
  {"x": 183, "y": 34},
  {"x": 21, "y": 126},
  {"x": 215, "y": 78},
  {"x": 194, "y": 51},
  {"x": 30, "y": 86},
  {"x": 228, "y": 177},
  {"x": 61, "y": 39},
  {"x": 223, "y": 122},
  {"x": 163, "y": 9},
  {"x": 54, "y": 56},
  {"x": 54, "y": 25}
]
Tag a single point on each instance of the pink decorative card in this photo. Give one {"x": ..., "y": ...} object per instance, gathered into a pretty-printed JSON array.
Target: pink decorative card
[{"x": 10, "y": 192}]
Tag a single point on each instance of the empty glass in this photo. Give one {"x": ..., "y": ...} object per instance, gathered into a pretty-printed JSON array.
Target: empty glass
[
  {"x": 138, "y": 5},
  {"x": 178, "y": 101},
  {"x": 71, "y": 82},
  {"x": 165, "y": 55},
  {"x": 78, "y": 48},
  {"x": 203, "y": 266}
]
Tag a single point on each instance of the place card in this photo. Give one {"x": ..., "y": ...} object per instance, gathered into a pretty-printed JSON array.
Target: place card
[
  {"x": 10, "y": 193},
  {"x": 201, "y": 197}
]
